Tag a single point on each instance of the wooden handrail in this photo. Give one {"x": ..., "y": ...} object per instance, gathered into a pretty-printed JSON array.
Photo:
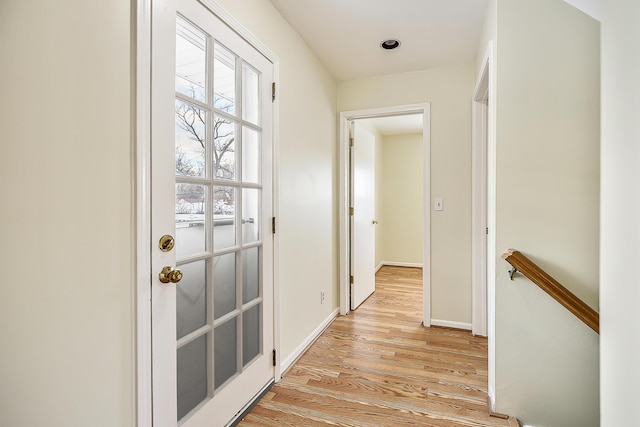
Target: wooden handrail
[{"x": 558, "y": 292}]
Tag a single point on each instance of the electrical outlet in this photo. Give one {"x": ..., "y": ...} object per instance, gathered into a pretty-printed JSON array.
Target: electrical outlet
[{"x": 321, "y": 297}]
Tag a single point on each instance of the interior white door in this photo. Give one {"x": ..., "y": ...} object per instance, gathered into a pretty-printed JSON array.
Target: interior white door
[
  {"x": 212, "y": 331},
  {"x": 363, "y": 219}
]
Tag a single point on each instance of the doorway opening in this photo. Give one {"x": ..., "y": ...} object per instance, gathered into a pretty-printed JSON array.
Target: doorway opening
[{"x": 366, "y": 121}]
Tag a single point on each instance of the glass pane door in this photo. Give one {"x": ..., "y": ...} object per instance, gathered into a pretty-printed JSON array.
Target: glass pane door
[{"x": 218, "y": 216}]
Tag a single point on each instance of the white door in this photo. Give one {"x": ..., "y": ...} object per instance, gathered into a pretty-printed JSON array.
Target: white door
[
  {"x": 211, "y": 185},
  {"x": 363, "y": 220}
]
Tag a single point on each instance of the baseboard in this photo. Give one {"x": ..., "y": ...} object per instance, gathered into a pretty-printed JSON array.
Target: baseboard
[
  {"x": 451, "y": 324},
  {"x": 299, "y": 351},
  {"x": 379, "y": 266},
  {"x": 400, "y": 264}
]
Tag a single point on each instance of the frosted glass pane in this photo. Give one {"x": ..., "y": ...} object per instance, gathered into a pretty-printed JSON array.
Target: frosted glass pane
[
  {"x": 191, "y": 65},
  {"x": 224, "y": 79},
  {"x": 251, "y": 170},
  {"x": 224, "y": 284},
  {"x": 191, "y": 298},
  {"x": 251, "y": 333},
  {"x": 226, "y": 351},
  {"x": 250, "y": 215},
  {"x": 224, "y": 219},
  {"x": 190, "y": 139},
  {"x": 192, "y": 375},
  {"x": 190, "y": 224},
  {"x": 250, "y": 278},
  {"x": 224, "y": 142},
  {"x": 250, "y": 94}
]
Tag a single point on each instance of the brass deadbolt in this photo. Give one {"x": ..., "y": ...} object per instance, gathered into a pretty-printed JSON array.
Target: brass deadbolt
[
  {"x": 169, "y": 275},
  {"x": 166, "y": 243}
]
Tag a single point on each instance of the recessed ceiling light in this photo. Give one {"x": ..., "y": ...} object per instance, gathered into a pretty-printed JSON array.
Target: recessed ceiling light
[{"x": 390, "y": 44}]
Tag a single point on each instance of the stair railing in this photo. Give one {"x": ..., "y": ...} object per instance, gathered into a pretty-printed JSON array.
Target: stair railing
[{"x": 548, "y": 284}]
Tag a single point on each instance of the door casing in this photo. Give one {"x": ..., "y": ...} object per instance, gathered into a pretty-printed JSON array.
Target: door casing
[
  {"x": 479, "y": 225},
  {"x": 142, "y": 148},
  {"x": 343, "y": 194},
  {"x": 484, "y": 209}
]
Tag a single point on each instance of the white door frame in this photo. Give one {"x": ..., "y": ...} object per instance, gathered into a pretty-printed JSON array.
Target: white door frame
[
  {"x": 142, "y": 120},
  {"x": 479, "y": 225},
  {"x": 344, "y": 232},
  {"x": 484, "y": 208}
]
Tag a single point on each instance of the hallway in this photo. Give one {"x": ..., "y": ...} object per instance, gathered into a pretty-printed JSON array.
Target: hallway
[{"x": 379, "y": 367}]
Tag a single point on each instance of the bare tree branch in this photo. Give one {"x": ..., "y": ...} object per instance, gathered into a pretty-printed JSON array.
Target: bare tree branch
[{"x": 192, "y": 120}]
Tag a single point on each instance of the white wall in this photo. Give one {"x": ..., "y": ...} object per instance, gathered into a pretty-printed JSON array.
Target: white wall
[
  {"x": 620, "y": 221},
  {"x": 449, "y": 92},
  {"x": 308, "y": 173},
  {"x": 548, "y": 208},
  {"x": 402, "y": 183},
  {"x": 67, "y": 302},
  {"x": 489, "y": 32}
]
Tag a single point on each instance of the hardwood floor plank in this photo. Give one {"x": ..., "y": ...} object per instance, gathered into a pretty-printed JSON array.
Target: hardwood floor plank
[{"x": 379, "y": 366}]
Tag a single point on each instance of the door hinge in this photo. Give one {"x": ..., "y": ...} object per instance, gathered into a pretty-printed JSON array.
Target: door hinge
[
  {"x": 274, "y": 357},
  {"x": 351, "y": 280},
  {"x": 351, "y": 142},
  {"x": 273, "y": 225},
  {"x": 273, "y": 91},
  {"x": 487, "y": 231},
  {"x": 351, "y": 211}
]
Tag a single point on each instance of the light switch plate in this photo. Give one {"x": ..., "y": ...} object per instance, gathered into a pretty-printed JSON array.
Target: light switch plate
[{"x": 438, "y": 204}]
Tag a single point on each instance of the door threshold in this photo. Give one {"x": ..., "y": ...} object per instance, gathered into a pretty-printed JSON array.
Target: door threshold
[{"x": 249, "y": 406}]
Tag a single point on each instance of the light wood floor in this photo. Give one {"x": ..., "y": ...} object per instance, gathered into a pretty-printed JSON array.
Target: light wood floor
[{"x": 379, "y": 366}]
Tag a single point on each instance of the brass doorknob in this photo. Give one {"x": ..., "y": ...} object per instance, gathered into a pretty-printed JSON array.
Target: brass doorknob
[{"x": 169, "y": 275}]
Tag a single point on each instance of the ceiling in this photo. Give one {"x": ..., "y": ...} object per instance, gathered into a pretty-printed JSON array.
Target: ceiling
[
  {"x": 396, "y": 125},
  {"x": 590, "y": 7},
  {"x": 346, "y": 34}
]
